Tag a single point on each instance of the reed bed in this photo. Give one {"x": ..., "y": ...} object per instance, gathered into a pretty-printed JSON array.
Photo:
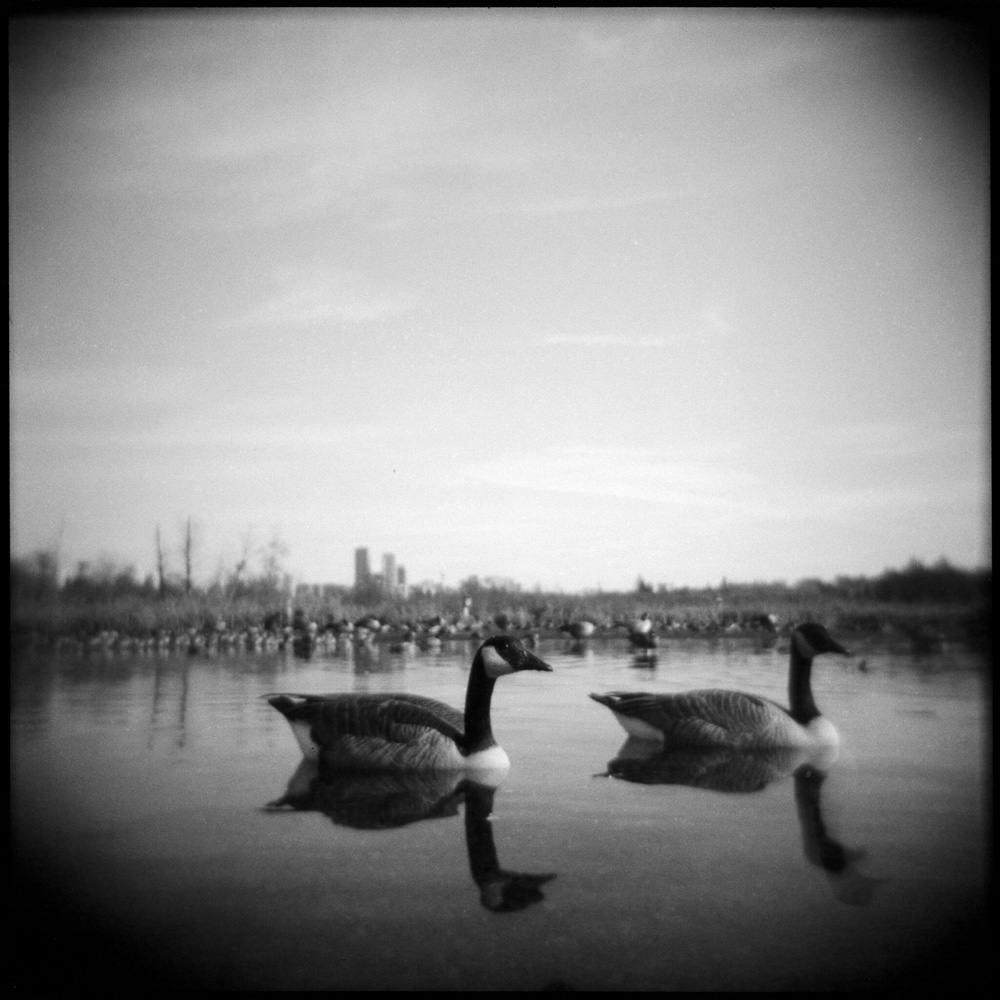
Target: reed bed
[{"x": 49, "y": 620}]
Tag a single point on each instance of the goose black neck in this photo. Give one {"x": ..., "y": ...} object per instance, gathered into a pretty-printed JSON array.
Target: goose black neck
[
  {"x": 478, "y": 695},
  {"x": 801, "y": 706}
]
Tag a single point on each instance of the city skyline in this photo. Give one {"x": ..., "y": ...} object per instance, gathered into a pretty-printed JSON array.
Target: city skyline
[
  {"x": 562, "y": 297},
  {"x": 392, "y": 579},
  {"x": 365, "y": 579}
]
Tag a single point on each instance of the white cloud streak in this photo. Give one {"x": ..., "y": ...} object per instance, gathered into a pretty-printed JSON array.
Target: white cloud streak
[
  {"x": 715, "y": 487},
  {"x": 315, "y": 294},
  {"x": 607, "y": 340}
]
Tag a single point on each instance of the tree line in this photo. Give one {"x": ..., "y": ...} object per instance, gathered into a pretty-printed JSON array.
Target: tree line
[{"x": 259, "y": 573}]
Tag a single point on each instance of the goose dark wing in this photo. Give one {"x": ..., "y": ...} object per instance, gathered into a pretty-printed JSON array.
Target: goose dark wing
[
  {"x": 414, "y": 712},
  {"x": 397, "y": 718},
  {"x": 697, "y": 718}
]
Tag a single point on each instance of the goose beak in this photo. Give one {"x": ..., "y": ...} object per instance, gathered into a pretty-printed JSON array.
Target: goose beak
[
  {"x": 532, "y": 662},
  {"x": 835, "y": 647}
]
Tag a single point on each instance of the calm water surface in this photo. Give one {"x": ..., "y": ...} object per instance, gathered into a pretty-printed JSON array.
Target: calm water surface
[{"x": 146, "y": 853}]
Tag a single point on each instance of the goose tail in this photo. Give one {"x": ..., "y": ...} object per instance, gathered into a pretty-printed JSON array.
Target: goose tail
[
  {"x": 282, "y": 702},
  {"x": 604, "y": 699}
]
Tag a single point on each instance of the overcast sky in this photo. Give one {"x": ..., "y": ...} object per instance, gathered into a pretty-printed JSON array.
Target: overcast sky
[{"x": 562, "y": 297}]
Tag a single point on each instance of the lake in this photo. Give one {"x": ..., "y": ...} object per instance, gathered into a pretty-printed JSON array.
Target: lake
[{"x": 166, "y": 836}]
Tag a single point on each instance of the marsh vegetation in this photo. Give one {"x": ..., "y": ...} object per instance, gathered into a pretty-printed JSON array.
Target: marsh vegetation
[{"x": 105, "y": 606}]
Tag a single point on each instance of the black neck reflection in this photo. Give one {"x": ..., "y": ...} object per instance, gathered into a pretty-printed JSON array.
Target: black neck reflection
[
  {"x": 391, "y": 800},
  {"x": 743, "y": 772}
]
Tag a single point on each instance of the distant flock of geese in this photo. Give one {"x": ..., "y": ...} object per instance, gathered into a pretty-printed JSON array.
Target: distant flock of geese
[{"x": 278, "y": 632}]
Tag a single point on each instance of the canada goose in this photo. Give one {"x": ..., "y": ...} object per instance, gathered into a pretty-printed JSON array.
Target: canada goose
[
  {"x": 761, "y": 623},
  {"x": 642, "y": 624},
  {"x": 579, "y": 630},
  {"x": 405, "y": 643},
  {"x": 305, "y": 640},
  {"x": 644, "y": 638},
  {"x": 408, "y": 732},
  {"x": 732, "y": 718}
]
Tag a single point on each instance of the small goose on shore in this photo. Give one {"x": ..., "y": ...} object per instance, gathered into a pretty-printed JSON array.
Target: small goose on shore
[
  {"x": 408, "y": 732},
  {"x": 720, "y": 718}
]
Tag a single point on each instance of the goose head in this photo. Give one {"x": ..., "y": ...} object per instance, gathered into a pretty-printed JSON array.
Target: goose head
[
  {"x": 507, "y": 654},
  {"x": 812, "y": 639}
]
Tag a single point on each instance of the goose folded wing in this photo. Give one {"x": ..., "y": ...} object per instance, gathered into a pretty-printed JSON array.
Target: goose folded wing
[
  {"x": 396, "y": 718},
  {"x": 699, "y": 718}
]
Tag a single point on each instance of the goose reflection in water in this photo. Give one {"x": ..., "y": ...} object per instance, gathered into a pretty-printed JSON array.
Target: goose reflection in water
[
  {"x": 389, "y": 800},
  {"x": 645, "y": 658},
  {"x": 741, "y": 772}
]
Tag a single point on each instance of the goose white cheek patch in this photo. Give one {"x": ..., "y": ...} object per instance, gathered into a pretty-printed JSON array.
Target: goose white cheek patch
[{"x": 496, "y": 665}]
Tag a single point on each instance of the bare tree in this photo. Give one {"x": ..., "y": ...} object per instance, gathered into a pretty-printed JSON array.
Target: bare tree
[
  {"x": 161, "y": 565},
  {"x": 57, "y": 551},
  {"x": 190, "y": 543},
  {"x": 275, "y": 553},
  {"x": 249, "y": 549}
]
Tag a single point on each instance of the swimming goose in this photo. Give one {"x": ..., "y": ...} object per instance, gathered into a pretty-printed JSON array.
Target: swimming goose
[
  {"x": 731, "y": 718},
  {"x": 408, "y": 732},
  {"x": 642, "y": 624},
  {"x": 644, "y": 638},
  {"x": 579, "y": 630}
]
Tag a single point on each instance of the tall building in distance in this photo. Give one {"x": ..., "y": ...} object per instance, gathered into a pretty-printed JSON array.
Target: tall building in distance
[
  {"x": 389, "y": 573},
  {"x": 391, "y": 581},
  {"x": 362, "y": 571}
]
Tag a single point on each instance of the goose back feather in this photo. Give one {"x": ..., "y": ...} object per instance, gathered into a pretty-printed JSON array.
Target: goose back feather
[{"x": 723, "y": 719}]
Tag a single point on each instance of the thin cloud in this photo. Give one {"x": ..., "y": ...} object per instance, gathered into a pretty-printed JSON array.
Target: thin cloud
[
  {"x": 606, "y": 340},
  {"x": 901, "y": 440},
  {"x": 205, "y": 442},
  {"x": 584, "y": 202},
  {"x": 717, "y": 320},
  {"x": 963, "y": 492},
  {"x": 717, "y": 488},
  {"x": 232, "y": 426},
  {"x": 631, "y": 474},
  {"x": 322, "y": 296},
  {"x": 602, "y": 47}
]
